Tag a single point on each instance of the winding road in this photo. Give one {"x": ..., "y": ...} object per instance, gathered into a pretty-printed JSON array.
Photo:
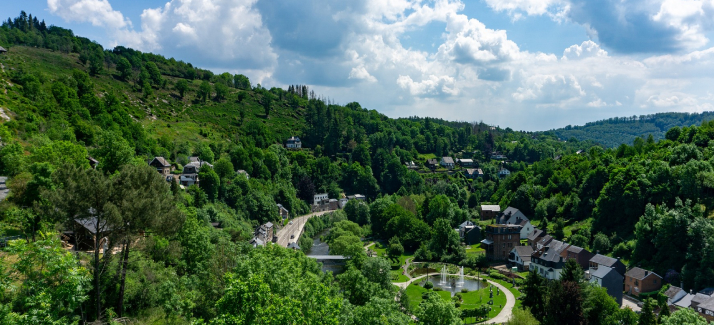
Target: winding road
[
  {"x": 295, "y": 229},
  {"x": 502, "y": 317}
]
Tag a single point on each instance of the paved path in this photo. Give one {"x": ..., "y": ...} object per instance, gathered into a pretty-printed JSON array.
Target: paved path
[
  {"x": 295, "y": 229},
  {"x": 502, "y": 316},
  {"x": 628, "y": 302}
]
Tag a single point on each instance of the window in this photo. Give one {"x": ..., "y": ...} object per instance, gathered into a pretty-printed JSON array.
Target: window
[
  {"x": 655, "y": 281},
  {"x": 509, "y": 236}
]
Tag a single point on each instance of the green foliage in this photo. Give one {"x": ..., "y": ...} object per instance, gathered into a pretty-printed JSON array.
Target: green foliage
[
  {"x": 182, "y": 86},
  {"x": 647, "y": 316},
  {"x": 395, "y": 248},
  {"x": 434, "y": 310},
  {"x": 684, "y": 316},
  {"x": 209, "y": 182},
  {"x": 521, "y": 316},
  {"x": 113, "y": 152}
]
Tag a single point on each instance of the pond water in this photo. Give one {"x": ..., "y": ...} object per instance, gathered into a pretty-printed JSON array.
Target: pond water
[{"x": 451, "y": 286}]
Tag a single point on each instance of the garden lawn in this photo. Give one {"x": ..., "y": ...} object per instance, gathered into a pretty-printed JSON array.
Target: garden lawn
[
  {"x": 475, "y": 299},
  {"x": 398, "y": 277},
  {"x": 382, "y": 252}
]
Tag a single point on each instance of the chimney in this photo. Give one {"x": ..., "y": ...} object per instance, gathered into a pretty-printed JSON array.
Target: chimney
[{"x": 647, "y": 272}]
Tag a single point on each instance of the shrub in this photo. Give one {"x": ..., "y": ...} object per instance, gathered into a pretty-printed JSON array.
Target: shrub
[
  {"x": 428, "y": 285},
  {"x": 437, "y": 289},
  {"x": 457, "y": 304},
  {"x": 464, "y": 290}
]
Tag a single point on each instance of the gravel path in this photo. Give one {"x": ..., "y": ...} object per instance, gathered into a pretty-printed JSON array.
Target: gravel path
[{"x": 502, "y": 317}]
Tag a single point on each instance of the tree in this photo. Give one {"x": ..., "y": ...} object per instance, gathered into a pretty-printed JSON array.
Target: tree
[
  {"x": 182, "y": 87},
  {"x": 267, "y": 102},
  {"x": 124, "y": 68},
  {"x": 145, "y": 203},
  {"x": 434, "y": 310},
  {"x": 599, "y": 307},
  {"x": 685, "y": 316},
  {"x": 522, "y": 316},
  {"x": 395, "y": 248},
  {"x": 204, "y": 91},
  {"x": 209, "y": 182},
  {"x": 224, "y": 168},
  {"x": 204, "y": 152},
  {"x": 221, "y": 91},
  {"x": 647, "y": 316},
  {"x": 113, "y": 152},
  {"x": 535, "y": 294},
  {"x": 572, "y": 271},
  {"x": 564, "y": 304},
  {"x": 559, "y": 229},
  {"x": 601, "y": 243}
]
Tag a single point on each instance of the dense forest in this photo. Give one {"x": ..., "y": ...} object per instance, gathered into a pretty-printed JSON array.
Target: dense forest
[
  {"x": 615, "y": 131},
  {"x": 66, "y": 99}
]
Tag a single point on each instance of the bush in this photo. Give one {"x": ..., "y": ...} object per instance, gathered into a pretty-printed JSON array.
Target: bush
[
  {"x": 437, "y": 289},
  {"x": 428, "y": 285},
  {"x": 458, "y": 295},
  {"x": 464, "y": 290},
  {"x": 457, "y": 304}
]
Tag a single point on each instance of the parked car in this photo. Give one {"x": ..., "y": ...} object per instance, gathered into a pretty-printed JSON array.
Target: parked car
[{"x": 292, "y": 236}]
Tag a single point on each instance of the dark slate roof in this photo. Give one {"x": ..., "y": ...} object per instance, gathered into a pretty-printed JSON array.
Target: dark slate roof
[
  {"x": 524, "y": 252},
  {"x": 92, "y": 225},
  {"x": 512, "y": 214},
  {"x": 707, "y": 291},
  {"x": 432, "y": 161},
  {"x": 535, "y": 234},
  {"x": 602, "y": 272},
  {"x": 448, "y": 160},
  {"x": 672, "y": 291},
  {"x": 575, "y": 249},
  {"x": 294, "y": 139},
  {"x": 466, "y": 224},
  {"x": 161, "y": 161},
  {"x": 545, "y": 240},
  {"x": 552, "y": 251},
  {"x": 603, "y": 260},
  {"x": 639, "y": 273}
]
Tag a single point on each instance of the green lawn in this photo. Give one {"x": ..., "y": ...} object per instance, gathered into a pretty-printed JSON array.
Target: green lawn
[
  {"x": 475, "y": 249},
  {"x": 510, "y": 288},
  {"x": 470, "y": 300},
  {"x": 398, "y": 277},
  {"x": 382, "y": 251}
]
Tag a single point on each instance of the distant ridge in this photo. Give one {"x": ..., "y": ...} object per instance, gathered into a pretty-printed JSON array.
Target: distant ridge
[{"x": 615, "y": 131}]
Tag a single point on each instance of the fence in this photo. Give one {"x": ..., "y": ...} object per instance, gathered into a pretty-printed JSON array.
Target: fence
[{"x": 5, "y": 240}]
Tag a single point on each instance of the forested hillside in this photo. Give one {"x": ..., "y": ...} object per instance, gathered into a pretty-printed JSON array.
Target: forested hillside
[
  {"x": 172, "y": 255},
  {"x": 615, "y": 131}
]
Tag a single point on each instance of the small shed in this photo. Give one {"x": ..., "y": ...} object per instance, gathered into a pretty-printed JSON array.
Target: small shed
[{"x": 2, "y": 50}]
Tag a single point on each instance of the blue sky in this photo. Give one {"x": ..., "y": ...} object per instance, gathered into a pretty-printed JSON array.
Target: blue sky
[{"x": 524, "y": 64}]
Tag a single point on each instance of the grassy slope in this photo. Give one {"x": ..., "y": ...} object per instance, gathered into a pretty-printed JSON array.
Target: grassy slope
[{"x": 165, "y": 113}]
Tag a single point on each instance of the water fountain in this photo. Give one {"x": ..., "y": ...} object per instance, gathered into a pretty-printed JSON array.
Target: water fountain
[
  {"x": 460, "y": 283},
  {"x": 443, "y": 275}
]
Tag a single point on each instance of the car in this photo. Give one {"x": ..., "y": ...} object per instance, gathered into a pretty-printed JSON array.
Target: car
[
  {"x": 292, "y": 236},
  {"x": 290, "y": 223}
]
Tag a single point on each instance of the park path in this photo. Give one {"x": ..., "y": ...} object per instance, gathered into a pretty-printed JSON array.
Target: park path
[{"x": 502, "y": 316}]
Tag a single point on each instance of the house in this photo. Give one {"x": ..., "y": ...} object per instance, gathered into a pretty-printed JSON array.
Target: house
[
  {"x": 609, "y": 279},
  {"x": 356, "y": 197},
  {"x": 463, "y": 226},
  {"x": 189, "y": 175},
  {"x": 193, "y": 159},
  {"x": 703, "y": 303},
  {"x": 343, "y": 202},
  {"x": 2, "y": 50},
  {"x": 544, "y": 241},
  {"x": 283, "y": 212},
  {"x": 432, "y": 163},
  {"x": 466, "y": 162},
  {"x": 500, "y": 240},
  {"x": 504, "y": 173},
  {"x": 602, "y": 260},
  {"x": 294, "y": 143},
  {"x": 86, "y": 231},
  {"x": 161, "y": 165},
  {"x": 549, "y": 260},
  {"x": 520, "y": 257},
  {"x": 333, "y": 204},
  {"x": 498, "y": 156},
  {"x": 320, "y": 198},
  {"x": 447, "y": 162},
  {"x": 675, "y": 294},
  {"x": 93, "y": 162},
  {"x": 263, "y": 234},
  {"x": 535, "y": 236},
  {"x": 470, "y": 233},
  {"x": 579, "y": 254},
  {"x": 473, "y": 173},
  {"x": 513, "y": 216},
  {"x": 411, "y": 165},
  {"x": 639, "y": 280},
  {"x": 489, "y": 211}
]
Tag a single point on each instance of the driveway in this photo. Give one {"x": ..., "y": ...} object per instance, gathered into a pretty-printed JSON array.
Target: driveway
[
  {"x": 627, "y": 302},
  {"x": 502, "y": 317}
]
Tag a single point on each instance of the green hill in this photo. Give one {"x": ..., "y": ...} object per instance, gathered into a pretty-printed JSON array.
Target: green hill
[{"x": 615, "y": 131}]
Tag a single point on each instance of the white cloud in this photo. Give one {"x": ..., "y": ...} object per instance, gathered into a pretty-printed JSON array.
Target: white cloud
[
  {"x": 585, "y": 50},
  {"x": 96, "y": 12},
  {"x": 469, "y": 41},
  {"x": 529, "y": 7},
  {"x": 361, "y": 74}
]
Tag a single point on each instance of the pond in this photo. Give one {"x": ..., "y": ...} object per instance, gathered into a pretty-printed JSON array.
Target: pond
[{"x": 452, "y": 286}]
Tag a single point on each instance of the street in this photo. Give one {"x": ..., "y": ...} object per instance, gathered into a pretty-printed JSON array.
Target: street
[{"x": 295, "y": 229}]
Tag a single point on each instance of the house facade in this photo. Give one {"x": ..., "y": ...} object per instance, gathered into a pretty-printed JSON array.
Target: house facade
[
  {"x": 549, "y": 260},
  {"x": 447, "y": 162},
  {"x": 162, "y": 165},
  {"x": 513, "y": 216},
  {"x": 579, "y": 254},
  {"x": 500, "y": 240},
  {"x": 263, "y": 234},
  {"x": 520, "y": 257},
  {"x": 432, "y": 163},
  {"x": 473, "y": 173},
  {"x": 319, "y": 198},
  {"x": 294, "y": 143},
  {"x": 490, "y": 211},
  {"x": 283, "y": 212},
  {"x": 703, "y": 303},
  {"x": 504, "y": 173},
  {"x": 609, "y": 279},
  {"x": 638, "y": 280},
  {"x": 611, "y": 262},
  {"x": 535, "y": 236}
]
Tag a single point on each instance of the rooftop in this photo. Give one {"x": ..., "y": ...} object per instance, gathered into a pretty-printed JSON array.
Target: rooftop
[{"x": 639, "y": 273}]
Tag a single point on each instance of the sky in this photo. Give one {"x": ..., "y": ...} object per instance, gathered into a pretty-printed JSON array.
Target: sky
[{"x": 525, "y": 64}]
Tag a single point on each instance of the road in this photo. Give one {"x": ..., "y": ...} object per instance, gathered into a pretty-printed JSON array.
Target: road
[
  {"x": 295, "y": 229},
  {"x": 502, "y": 316}
]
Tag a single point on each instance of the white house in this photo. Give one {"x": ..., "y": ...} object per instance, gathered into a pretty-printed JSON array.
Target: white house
[
  {"x": 294, "y": 143},
  {"x": 513, "y": 216},
  {"x": 447, "y": 162},
  {"x": 520, "y": 256},
  {"x": 319, "y": 198}
]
